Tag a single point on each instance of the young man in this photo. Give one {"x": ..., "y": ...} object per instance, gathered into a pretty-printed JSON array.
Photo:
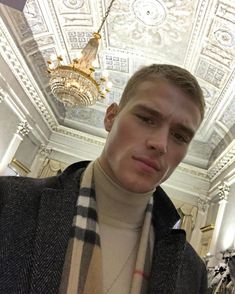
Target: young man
[{"x": 107, "y": 226}]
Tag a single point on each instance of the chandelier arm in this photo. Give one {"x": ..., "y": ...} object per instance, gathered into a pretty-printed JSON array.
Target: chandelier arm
[{"x": 105, "y": 16}]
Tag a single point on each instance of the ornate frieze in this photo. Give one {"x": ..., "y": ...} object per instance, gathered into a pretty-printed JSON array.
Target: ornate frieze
[
  {"x": 12, "y": 57},
  {"x": 81, "y": 136},
  {"x": 222, "y": 163},
  {"x": 198, "y": 172}
]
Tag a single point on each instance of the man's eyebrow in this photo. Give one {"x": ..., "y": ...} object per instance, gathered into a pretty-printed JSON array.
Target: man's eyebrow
[
  {"x": 155, "y": 113},
  {"x": 147, "y": 109},
  {"x": 190, "y": 132}
]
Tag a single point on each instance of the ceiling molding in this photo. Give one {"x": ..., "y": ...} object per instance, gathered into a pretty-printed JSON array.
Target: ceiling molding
[{"x": 225, "y": 160}]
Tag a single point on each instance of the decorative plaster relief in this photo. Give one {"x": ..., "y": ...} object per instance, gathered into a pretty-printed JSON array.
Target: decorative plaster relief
[
  {"x": 226, "y": 11},
  {"x": 222, "y": 163},
  {"x": 214, "y": 139},
  {"x": 222, "y": 145},
  {"x": 45, "y": 151},
  {"x": 198, "y": 148},
  {"x": 31, "y": 21},
  {"x": 150, "y": 12},
  {"x": 196, "y": 172},
  {"x": 223, "y": 191},
  {"x": 221, "y": 42},
  {"x": 74, "y": 4},
  {"x": 73, "y": 13},
  {"x": 38, "y": 61},
  {"x": 77, "y": 40},
  {"x": 115, "y": 95},
  {"x": 228, "y": 117},
  {"x": 33, "y": 45},
  {"x": 209, "y": 96},
  {"x": 88, "y": 116},
  {"x": 202, "y": 204},
  {"x": 192, "y": 46},
  {"x": 150, "y": 25},
  {"x": 119, "y": 80},
  {"x": 23, "y": 128},
  {"x": 11, "y": 58},
  {"x": 218, "y": 54},
  {"x": 211, "y": 73},
  {"x": 116, "y": 62},
  {"x": 81, "y": 136}
]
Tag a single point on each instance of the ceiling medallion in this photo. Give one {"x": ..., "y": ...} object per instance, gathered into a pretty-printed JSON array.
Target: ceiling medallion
[
  {"x": 74, "y": 84},
  {"x": 73, "y": 4},
  {"x": 224, "y": 37},
  {"x": 150, "y": 12}
]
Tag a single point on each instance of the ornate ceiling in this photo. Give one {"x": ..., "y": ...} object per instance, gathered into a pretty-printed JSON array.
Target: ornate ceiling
[{"x": 196, "y": 34}]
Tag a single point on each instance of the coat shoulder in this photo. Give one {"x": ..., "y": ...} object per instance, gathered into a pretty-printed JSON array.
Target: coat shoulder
[
  {"x": 13, "y": 189},
  {"x": 193, "y": 272}
]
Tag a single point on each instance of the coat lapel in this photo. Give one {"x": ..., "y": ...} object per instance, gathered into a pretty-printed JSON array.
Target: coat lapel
[
  {"x": 53, "y": 229},
  {"x": 167, "y": 260}
]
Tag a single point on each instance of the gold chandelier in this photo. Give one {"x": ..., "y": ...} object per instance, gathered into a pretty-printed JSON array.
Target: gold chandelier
[{"x": 74, "y": 84}]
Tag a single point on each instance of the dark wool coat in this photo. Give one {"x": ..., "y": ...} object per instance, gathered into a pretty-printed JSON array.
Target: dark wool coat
[{"x": 35, "y": 220}]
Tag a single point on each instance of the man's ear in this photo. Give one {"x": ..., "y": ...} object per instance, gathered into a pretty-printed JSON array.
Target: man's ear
[{"x": 110, "y": 115}]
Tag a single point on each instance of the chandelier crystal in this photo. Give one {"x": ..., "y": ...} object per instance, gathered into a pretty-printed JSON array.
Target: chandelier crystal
[{"x": 74, "y": 84}]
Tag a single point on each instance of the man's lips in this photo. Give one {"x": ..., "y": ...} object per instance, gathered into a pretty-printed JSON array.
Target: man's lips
[{"x": 148, "y": 162}]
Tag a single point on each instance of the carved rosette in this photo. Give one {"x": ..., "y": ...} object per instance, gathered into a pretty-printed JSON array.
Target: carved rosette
[
  {"x": 23, "y": 128},
  {"x": 223, "y": 192}
]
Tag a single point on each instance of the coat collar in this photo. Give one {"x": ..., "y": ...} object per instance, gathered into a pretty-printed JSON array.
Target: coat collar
[
  {"x": 55, "y": 217},
  {"x": 53, "y": 231}
]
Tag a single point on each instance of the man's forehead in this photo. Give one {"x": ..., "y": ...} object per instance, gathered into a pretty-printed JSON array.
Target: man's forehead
[{"x": 150, "y": 87}]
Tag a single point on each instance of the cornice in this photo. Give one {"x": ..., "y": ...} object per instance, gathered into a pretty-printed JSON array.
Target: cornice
[
  {"x": 18, "y": 66},
  {"x": 79, "y": 135},
  {"x": 222, "y": 162},
  {"x": 193, "y": 171}
]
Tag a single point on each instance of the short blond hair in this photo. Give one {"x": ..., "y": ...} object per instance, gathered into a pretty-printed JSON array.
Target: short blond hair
[{"x": 175, "y": 75}]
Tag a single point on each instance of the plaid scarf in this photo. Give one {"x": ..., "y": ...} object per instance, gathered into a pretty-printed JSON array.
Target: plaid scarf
[{"x": 82, "y": 272}]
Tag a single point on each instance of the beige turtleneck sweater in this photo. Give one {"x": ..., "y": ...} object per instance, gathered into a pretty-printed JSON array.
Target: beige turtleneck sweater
[{"x": 120, "y": 214}]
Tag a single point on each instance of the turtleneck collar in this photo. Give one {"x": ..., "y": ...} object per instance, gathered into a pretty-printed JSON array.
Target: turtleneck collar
[{"x": 117, "y": 206}]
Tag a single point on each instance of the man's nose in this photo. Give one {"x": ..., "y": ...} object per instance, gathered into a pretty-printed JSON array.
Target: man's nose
[{"x": 158, "y": 140}]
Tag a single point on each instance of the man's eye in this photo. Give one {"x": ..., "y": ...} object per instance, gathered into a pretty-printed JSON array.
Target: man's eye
[
  {"x": 146, "y": 119},
  {"x": 180, "y": 138}
]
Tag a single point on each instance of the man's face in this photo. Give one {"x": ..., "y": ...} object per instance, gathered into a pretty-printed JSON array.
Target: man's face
[{"x": 149, "y": 136}]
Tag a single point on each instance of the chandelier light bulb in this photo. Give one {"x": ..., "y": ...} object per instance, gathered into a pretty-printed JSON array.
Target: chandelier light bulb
[
  {"x": 105, "y": 73},
  {"x": 109, "y": 85},
  {"x": 79, "y": 55}
]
